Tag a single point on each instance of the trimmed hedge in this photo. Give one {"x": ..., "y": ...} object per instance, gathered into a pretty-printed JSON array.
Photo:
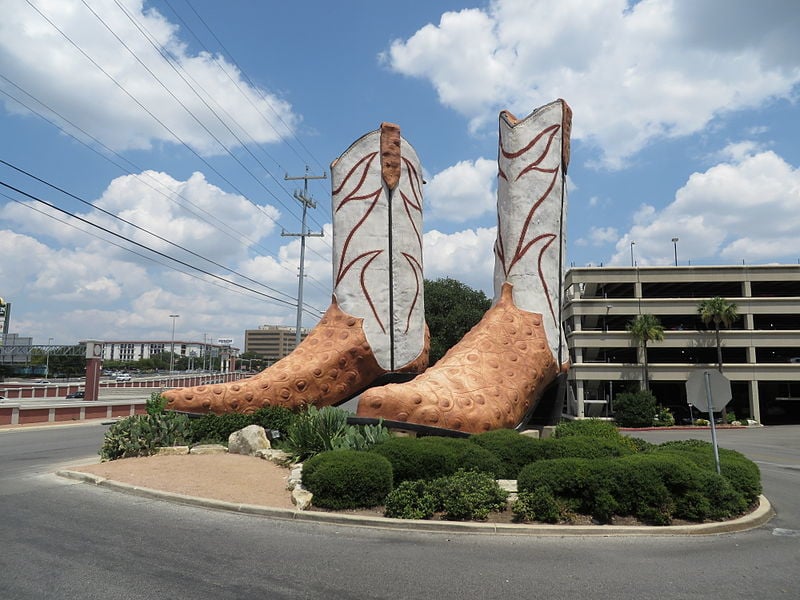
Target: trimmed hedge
[
  {"x": 513, "y": 449},
  {"x": 213, "y": 428},
  {"x": 742, "y": 473},
  {"x": 347, "y": 479},
  {"x": 654, "y": 487},
  {"x": 432, "y": 457}
]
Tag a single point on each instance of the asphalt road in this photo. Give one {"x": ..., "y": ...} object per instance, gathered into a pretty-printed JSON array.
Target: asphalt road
[{"x": 61, "y": 539}]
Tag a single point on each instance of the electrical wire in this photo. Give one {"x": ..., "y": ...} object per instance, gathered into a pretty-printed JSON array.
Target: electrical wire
[
  {"x": 140, "y": 245},
  {"x": 225, "y": 229}
]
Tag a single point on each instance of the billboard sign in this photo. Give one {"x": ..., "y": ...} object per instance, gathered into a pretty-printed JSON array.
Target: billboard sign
[{"x": 224, "y": 341}]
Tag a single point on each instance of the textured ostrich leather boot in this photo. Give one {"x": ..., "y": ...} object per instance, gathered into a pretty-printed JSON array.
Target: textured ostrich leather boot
[
  {"x": 376, "y": 321},
  {"x": 497, "y": 373}
]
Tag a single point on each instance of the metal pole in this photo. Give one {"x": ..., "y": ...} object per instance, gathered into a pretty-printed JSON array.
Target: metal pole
[
  {"x": 172, "y": 351},
  {"x": 632, "y": 261},
  {"x": 711, "y": 418},
  {"x": 307, "y": 203},
  {"x": 47, "y": 360},
  {"x": 675, "y": 244}
]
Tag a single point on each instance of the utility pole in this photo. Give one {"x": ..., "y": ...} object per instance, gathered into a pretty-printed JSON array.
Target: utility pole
[{"x": 307, "y": 202}]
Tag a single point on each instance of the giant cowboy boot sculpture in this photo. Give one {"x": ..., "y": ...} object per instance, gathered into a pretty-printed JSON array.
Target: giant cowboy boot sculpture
[
  {"x": 497, "y": 373},
  {"x": 376, "y": 321}
]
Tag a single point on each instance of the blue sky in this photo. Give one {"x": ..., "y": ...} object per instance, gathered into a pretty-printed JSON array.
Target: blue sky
[{"x": 685, "y": 125}]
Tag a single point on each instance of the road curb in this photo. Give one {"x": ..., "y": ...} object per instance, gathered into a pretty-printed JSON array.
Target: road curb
[{"x": 758, "y": 517}]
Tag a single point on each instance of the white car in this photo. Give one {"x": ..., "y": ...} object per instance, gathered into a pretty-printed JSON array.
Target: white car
[{"x": 123, "y": 377}]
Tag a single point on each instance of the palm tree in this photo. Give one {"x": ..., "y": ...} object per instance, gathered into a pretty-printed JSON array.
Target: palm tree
[
  {"x": 720, "y": 312},
  {"x": 645, "y": 328}
]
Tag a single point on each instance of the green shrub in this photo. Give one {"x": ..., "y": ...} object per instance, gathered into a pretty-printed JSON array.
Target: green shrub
[
  {"x": 432, "y": 457},
  {"x": 655, "y": 487},
  {"x": 512, "y": 449},
  {"x": 347, "y": 479},
  {"x": 541, "y": 505},
  {"x": 663, "y": 418},
  {"x": 140, "y": 435},
  {"x": 362, "y": 437},
  {"x": 596, "y": 428},
  {"x": 467, "y": 495},
  {"x": 742, "y": 473},
  {"x": 271, "y": 418},
  {"x": 216, "y": 429},
  {"x": 567, "y": 478},
  {"x": 411, "y": 500},
  {"x": 580, "y": 447},
  {"x": 155, "y": 404},
  {"x": 635, "y": 409},
  {"x": 314, "y": 431},
  {"x": 638, "y": 444}
]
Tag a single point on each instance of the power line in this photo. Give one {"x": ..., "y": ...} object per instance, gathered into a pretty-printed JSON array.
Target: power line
[
  {"x": 142, "y": 229},
  {"x": 142, "y": 176},
  {"x": 135, "y": 243},
  {"x": 160, "y": 122}
]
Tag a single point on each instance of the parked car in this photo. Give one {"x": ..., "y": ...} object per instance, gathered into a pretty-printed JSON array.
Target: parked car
[
  {"x": 78, "y": 394},
  {"x": 123, "y": 377},
  {"x": 42, "y": 381}
]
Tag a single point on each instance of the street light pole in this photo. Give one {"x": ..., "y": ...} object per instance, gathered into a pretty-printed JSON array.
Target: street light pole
[
  {"x": 675, "y": 244},
  {"x": 47, "y": 360},
  {"x": 633, "y": 262},
  {"x": 172, "y": 350}
]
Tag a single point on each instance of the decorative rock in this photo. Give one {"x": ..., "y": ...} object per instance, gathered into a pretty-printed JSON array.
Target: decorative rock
[
  {"x": 208, "y": 449},
  {"x": 295, "y": 477},
  {"x": 532, "y": 433},
  {"x": 301, "y": 497},
  {"x": 248, "y": 441},
  {"x": 547, "y": 431},
  {"x": 172, "y": 450},
  {"x": 279, "y": 457}
]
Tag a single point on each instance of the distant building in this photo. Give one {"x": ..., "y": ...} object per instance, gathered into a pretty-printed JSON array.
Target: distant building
[
  {"x": 760, "y": 352},
  {"x": 272, "y": 342},
  {"x": 201, "y": 354}
]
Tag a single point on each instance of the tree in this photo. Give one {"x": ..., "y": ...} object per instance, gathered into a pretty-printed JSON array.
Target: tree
[
  {"x": 451, "y": 310},
  {"x": 645, "y": 328},
  {"x": 720, "y": 312}
]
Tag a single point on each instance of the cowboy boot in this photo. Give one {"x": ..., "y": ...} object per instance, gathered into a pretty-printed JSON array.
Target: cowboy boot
[
  {"x": 376, "y": 321},
  {"x": 497, "y": 373}
]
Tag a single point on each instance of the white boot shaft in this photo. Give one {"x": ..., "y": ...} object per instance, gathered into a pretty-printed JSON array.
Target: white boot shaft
[
  {"x": 377, "y": 243},
  {"x": 531, "y": 210}
]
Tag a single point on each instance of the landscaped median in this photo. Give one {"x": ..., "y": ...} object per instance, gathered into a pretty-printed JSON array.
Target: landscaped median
[{"x": 587, "y": 476}]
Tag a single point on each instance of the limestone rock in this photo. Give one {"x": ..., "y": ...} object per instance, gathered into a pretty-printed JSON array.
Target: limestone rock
[
  {"x": 208, "y": 449},
  {"x": 301, "y": 497},
  {"x": 248, "y": 441},
  {"x": 295, "y": 477},
  {"x": 279, "y": 457},
  {"x": 172, "y": 450}
]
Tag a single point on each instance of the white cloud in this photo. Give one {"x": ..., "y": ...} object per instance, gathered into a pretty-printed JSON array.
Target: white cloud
[
  {"x": 743, "y": 209},
  {"x": 466, "y": 255},
  {"x": 40, "y": 60},
  {"x": 599, "y": 236},
  {"x": 462, "y": 192},
  {"x": 632, "y": 73},
  {"x": 103, "y": 291}
]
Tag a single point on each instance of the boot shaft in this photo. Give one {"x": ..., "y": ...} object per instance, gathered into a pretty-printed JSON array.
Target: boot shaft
[
  {"x": 531, "y": 210},
  {"x": 377, "y": 243}
]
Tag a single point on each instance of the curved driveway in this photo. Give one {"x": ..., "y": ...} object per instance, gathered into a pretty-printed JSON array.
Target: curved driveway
[{"x": 61, "y": 539}]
